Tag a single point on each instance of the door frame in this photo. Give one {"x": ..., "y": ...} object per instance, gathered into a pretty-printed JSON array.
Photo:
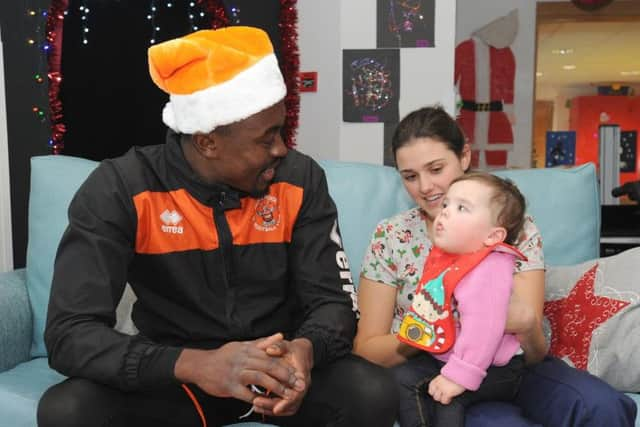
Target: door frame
[{"x": 6, "y": 245}]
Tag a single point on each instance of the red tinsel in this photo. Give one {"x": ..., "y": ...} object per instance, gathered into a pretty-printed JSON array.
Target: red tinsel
[
  {"x": 290, "y": 57},
  {"x": 216, "y": 10},
  {"x": 55, "y": 20},
  {"x": 290, "y": 66}
]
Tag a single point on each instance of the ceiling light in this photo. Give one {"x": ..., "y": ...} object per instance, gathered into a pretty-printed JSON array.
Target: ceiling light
[
  {"x": 562, "y": 51},
  {"x": 569, "y": 67},
  {"x": 630, "y": 73}
]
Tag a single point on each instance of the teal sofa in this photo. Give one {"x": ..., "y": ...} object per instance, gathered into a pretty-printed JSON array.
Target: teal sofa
[{"x": 364, "y": 195}]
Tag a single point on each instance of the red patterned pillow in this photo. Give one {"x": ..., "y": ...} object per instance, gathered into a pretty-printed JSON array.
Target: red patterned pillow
[{"x": 592, "y": 317}]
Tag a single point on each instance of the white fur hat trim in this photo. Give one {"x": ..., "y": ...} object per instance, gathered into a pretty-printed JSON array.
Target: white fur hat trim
[{"x": 249, "y": 92}]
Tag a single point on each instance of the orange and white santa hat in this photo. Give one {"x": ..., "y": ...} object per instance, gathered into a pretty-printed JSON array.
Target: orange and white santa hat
[{"x": 216, "y": 77}]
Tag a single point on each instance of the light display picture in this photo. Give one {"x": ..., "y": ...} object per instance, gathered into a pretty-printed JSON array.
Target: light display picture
[
  {"x": 628, "y": 150},
  {"x": 406, "y": 23},
  {"x": 560, "y": 148},
  {"x": 370, "y": 85}
]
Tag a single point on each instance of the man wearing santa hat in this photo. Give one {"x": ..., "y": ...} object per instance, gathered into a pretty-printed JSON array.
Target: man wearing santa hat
[{"x": 231, "y": 244}]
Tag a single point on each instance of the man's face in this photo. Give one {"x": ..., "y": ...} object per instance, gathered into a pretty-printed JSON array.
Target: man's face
[{"x": 250, "y": 150}]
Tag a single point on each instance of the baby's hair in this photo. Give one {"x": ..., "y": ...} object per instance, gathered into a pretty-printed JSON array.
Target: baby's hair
[{"x": 507, "y": 202}]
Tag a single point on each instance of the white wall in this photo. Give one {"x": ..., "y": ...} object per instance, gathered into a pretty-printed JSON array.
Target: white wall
[
  {"x": 319, "y": 45},
  {"x": 474, "y": 14},
  {"x": 6, "y": 247},
  {"x": 328, "y": 26}
]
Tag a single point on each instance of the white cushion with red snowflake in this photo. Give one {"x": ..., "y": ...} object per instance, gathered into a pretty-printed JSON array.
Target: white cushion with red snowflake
[{"x": 592, "y": 317}]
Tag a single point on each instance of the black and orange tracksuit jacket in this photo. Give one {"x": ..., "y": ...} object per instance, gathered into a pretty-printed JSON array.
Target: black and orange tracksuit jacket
[{"x": 209, "y": 265}]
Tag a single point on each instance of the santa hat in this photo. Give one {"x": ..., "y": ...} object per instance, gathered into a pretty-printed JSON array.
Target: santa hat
[{"x": 216, "y": 77}]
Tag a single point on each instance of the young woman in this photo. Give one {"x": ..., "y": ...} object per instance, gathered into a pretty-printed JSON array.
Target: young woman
[{"x": 430, "y": 152}]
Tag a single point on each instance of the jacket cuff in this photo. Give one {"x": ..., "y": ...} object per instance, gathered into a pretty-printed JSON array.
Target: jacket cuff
[
  {"x": 467, "y": 375},
  {"x": 326, "y": 347},
  {"x": 150, "y": 365}
]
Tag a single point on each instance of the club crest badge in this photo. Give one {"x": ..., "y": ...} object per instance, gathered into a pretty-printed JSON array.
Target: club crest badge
[{"x": 267, "y": 214}]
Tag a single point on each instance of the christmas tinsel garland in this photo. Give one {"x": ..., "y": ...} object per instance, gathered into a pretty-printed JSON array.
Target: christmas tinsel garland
[{"x": 290, "y": 63}]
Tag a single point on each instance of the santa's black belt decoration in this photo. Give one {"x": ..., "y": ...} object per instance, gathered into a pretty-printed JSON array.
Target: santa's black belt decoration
[{"x": 482, "y": 106}]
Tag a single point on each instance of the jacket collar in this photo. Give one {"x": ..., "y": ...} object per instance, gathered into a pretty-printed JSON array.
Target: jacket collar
[{"x": 215, "y": 195}]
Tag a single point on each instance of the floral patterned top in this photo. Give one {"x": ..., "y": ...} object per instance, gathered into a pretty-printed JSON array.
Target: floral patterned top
[{"x": 399, "y": 248}]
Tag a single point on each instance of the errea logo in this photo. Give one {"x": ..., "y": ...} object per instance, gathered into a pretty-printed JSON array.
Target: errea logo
[{"x": 171, "y": 220}]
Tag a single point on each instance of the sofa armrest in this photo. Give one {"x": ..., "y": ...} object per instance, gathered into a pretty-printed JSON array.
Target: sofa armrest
[{"x": 15, "y": 319}]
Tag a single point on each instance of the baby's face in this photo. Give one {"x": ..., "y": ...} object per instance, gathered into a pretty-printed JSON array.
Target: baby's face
[{"x": 466, "y": 219}]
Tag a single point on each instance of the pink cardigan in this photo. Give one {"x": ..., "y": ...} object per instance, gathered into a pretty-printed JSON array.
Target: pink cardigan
[{"x": 482, "y": 297}]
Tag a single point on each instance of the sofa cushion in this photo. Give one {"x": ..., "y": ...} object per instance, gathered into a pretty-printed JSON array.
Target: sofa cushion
[
  {"x": 20, "y": 390},
  {"x": 593, "y": 312},
  {"x": 15, "y": 326},
  {"x": 54, "y": 181},
  {"x": 366, "y": 194},
  {"x": 566, "y": 207}
]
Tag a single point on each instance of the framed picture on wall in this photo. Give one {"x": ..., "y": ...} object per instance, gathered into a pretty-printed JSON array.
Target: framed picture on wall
[
  {"x": 370, "y": 85},
  {"x": 628, "y": 150},
  {"x": 560, "y": 148},
  {"x": 405, "y": 23}
]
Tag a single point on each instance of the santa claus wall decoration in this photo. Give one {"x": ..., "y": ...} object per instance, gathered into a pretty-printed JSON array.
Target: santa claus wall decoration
[{"x": 484, "y": 77}]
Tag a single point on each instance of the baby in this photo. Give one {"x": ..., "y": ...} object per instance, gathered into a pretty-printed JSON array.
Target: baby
[{"x": 459, "y": 311}]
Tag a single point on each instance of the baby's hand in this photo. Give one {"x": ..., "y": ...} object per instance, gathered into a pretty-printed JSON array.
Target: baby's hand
[{"x": 443, "y": 389}]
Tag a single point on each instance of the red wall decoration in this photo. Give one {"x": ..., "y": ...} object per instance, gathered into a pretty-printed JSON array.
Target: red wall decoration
[{"x": 589, "y": 112}]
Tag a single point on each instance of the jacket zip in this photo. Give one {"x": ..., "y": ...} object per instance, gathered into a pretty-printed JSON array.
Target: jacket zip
[{"x": 224, "y": 234}]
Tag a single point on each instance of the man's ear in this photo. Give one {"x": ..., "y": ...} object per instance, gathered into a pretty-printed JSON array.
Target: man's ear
[
  {"x": 206, "y": 144},
  {"x": 497, "y": 235}
]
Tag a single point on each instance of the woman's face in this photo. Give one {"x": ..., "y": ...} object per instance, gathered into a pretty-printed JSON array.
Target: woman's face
[{"x": 427, "y": 167}]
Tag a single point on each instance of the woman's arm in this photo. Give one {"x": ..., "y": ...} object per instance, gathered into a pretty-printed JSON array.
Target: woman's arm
[
  {"x": 525, "y": 314},
  {"x": 373, "y": 340}
]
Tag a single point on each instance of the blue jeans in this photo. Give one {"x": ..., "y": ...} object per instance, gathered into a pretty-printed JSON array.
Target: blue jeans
[{"x": 554, "y": 394}]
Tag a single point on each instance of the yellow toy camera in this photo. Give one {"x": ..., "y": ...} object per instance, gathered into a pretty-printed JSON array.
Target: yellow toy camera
[{"x": 416, "y": 332}]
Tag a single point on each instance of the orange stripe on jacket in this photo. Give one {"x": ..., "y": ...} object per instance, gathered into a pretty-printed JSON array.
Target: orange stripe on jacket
[
  {"x": 269, "y": 219},
  {"x": 173, "y": 222}
]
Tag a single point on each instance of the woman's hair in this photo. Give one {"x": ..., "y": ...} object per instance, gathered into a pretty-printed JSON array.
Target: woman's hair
[
  {"x": 507, "y": 203},
  {"x": 429, "y": 122}
]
